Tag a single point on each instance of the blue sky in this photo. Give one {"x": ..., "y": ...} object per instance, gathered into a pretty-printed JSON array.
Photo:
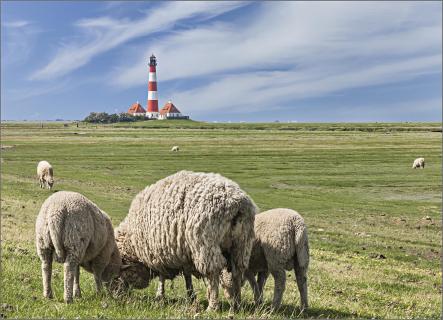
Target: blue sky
[{"x": 224, "y": 61}]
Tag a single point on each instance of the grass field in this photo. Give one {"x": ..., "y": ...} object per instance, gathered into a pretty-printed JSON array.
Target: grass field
[{"x": 374, "y": 223}]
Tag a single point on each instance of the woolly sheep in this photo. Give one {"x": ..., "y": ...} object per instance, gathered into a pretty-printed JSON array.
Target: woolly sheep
[
  {"x": 45, "y": 174},
  {"x": 419, "y": 163},
  {"x": 197, "y": 223},
  {"x": 175, "y": 149},
  {"x": 80, "y": 234},
  {"x": 281, "y": 244}
]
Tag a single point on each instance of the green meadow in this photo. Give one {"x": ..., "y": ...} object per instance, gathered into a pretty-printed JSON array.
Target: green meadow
[{"x": 374, "y": 223}]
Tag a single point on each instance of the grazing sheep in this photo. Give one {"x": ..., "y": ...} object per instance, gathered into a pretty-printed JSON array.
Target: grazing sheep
[
  {"x": 281, "y": 244},
  {"x": 419, "y": 163},
  {"x": 45, "y": 174},
  {"x": 80, "y": 234},
  {"x": 175, "y": 149},
  {"x": 195, "y": 223}
]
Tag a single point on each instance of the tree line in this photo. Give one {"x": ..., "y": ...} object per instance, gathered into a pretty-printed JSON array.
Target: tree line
[{"x": 103, "y": 117}]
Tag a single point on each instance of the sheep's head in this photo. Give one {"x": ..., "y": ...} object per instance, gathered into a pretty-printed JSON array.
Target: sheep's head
[
  {"x": 113, "y": 269},
  {"x": 132, "y": 275},
  {"x": 50, "y": 182}
]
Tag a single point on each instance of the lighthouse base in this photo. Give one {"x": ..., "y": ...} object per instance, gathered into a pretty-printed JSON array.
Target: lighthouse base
[{"x": 152, "y": 115}]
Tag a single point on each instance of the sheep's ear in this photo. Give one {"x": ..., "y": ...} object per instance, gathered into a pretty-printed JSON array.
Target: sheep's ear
[{"x": 124, "y": 267}]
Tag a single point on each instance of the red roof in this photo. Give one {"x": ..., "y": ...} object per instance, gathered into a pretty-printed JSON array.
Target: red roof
[
  {"x": 169, "y": 108},
  {"x": 136, "y": 108}
]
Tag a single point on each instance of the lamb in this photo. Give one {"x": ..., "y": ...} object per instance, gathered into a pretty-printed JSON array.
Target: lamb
[
  {"x": 419, "y": 163},
  {"x": 175, "y": 149},
  {"x": 45, "y": 174},
  {"x": 281, "y": 244},
  {"x": 195, "y": 223},
  {"x": 80, "y": 234}
]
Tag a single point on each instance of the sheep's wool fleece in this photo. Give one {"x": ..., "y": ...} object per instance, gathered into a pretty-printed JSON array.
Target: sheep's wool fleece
[
  {"x": 68, "y": 221},
  {"x": 44, "y": 168},
  {"x": 277, "y": 232},
  {"x": 185, "y": 221}
]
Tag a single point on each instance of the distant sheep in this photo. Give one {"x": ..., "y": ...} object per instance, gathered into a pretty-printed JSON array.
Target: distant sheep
[
  {"x": 80, "y": 234},
  {"x": 45, "y": 174},
  {"x": 195, "y": 223},
  {"x": 281, "y": 244},
  {"x": 419, "y": 163},
  {"x": 175, "y": 149}
]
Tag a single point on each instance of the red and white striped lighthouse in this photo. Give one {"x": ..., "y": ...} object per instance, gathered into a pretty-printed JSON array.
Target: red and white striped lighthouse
[{"x": 152, "y": 106}]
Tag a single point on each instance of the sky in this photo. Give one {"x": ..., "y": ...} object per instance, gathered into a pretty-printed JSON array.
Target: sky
[{"x": 224, "y": 61}]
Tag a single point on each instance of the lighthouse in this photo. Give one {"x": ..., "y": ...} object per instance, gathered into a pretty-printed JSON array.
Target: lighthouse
[{"x": 152, "y": 105}]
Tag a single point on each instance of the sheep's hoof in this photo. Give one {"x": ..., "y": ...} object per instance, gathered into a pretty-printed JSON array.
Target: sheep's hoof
[
  {"x": 213, "y": 307},
  {"x": 192, "y": 297},
  {"x": 48, "y": 295},
  {"x": 77, "y": 294},
  {"x": 159, "y": 297},
  {"x": 68, "y": 300}
]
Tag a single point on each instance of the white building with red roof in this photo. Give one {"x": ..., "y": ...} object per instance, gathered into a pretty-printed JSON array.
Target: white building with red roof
[
  {"x": 136, "y": 110},
  {"x": 170, "y": 111}
]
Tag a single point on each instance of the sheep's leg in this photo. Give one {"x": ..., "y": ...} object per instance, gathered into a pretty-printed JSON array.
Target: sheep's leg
[
  {"x": 161, "y": 288},
  {"x": 70, "y": 270},
  {"x": 261, "y": 281},
  {"x": 302, "y": 284},
  {"x": 251, "y": 279},
  {"x": 279, "y": 287},
  {"x": 46, "y": 258},
  {"x": 236, "y": 289},
  {"x": 77, "y": 292},
  {"x": 189, "y": 288},
  {"x": 97, "y": 270},
  {"x": 213, "y": 292}
]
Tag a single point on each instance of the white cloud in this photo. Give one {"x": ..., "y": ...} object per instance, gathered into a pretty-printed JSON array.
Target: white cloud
[
  {"x": 26, "y": 93},
  {"x": 18, "y": 39},
  {"x": 290, "y": 33},
  {"x": 15, "y": 24},
  {"x": 259, "y": 91},
  {"x": 107, "y": 33},
  {"x": 322, "y": 47}
]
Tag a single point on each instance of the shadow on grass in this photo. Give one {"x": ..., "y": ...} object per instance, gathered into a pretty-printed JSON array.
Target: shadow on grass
[
  {"x": 289, "y": 311},
  {"x": 247, "y": 309}
]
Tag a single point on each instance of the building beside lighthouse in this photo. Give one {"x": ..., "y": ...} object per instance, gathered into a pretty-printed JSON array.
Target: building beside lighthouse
[
  {"x": 169, "y": 111},
  {"x": 136, "y": 110}
]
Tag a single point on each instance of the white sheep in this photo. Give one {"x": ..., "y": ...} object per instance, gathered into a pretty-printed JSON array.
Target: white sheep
[
  {"x": 45, "y": 174},
  {"x": 80, "y": 234},
  {"x": 175, "y": 149},
  {"x": 195, "y": 223},
  {"x": 281, "y": 244},
  {"x": 419, "y": 163}
]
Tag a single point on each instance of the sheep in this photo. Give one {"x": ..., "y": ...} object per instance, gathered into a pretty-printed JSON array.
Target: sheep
[
  {"x": 419, "y": 163},
  {"x": 281, "y": 244},
  {"x": 80, "y": 234},
  {"x": 195, "y": 223},
  {"x": 175, "y": 149},
  {"x": 45, "y": 174}
]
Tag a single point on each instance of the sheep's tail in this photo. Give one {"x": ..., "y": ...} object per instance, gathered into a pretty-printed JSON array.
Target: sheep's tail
[
  {"x": 301, "y": 262},
  {"x": 302, "y": 248},
  {"x": 56, "y": 233}
]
